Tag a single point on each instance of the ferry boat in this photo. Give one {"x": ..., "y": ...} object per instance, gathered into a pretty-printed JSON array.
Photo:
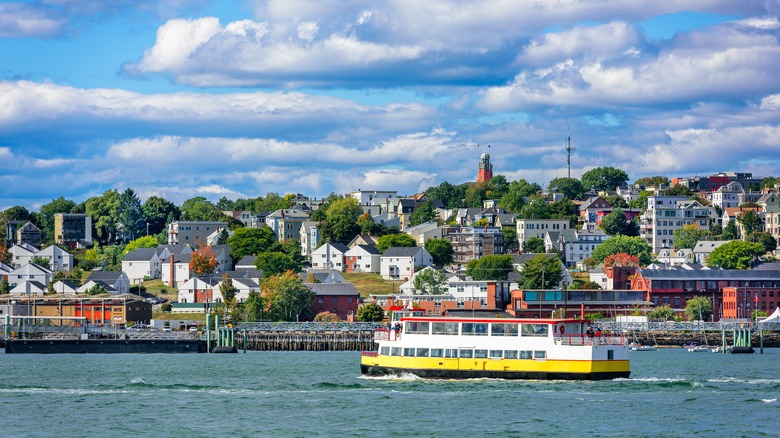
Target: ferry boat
[{"x": 505, "y": 348}]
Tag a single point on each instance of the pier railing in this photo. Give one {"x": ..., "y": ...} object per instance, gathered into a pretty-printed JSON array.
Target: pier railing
[
  {"x": 675, "y": 326},
  {"x": 309, "y": 326}
]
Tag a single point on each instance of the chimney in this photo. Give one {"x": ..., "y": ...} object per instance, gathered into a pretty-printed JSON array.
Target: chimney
[{"x": 172, "y": 282}]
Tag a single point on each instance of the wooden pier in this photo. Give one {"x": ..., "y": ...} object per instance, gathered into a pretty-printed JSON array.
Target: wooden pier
[{"x": 308, "y": 341}]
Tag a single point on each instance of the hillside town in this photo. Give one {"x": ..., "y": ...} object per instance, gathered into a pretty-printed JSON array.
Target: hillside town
[{"x": 490, "y": 247}]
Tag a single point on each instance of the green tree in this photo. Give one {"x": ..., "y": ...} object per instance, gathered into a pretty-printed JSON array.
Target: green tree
[
  {"x": 698, "y": 308},
  {"x": 541, "y": 272},
  {"x": 641, "y": 201},
  {"x": 275, "y": 263},
  {"x": 616, "y": 201},
  {"x": 228, "y": 291},
  {"x": 141, "y": 242},
  {"x": 735, "y": 255},
  {"x": 253, "y": 308},
  {"x": 490, "y": 267},
  {"x": 536, "y": 208},
  {"x": 750, "y": 221},
  {"x": 678, "y": 190},
  {"x": 767, "y": 240},
  {"x": 394, "y": 241},
  {"x": 223, "y": 237},
  {"x": 41, "y": 261},
  {"x": 104, "y": 211},
  {"x": 368, "y": 226},
  {"x": 476, "y": 193},
  {"x": 534, "y": 245},
  {"x": 46, "y": 214},
  {"x": 430, "y": 281},
  {"x": 201, "y": 209},
  {"x": 441, "y": 251},
  {"x": 631, "y": 245},
  {"x": 203, "y": 261},
  {"x": 326, "y": 317},
  {"x": 96, "y": 290},
  {"x": 422, "y": 214},
  {"x": 292, "y": 248},
  {"x": 159, "y": 212},
  {"x": 510, "y": 239},
  {"x": 687, "y": 236},
  {"x": 4, "y": 289},
  {"x": 288, "y": 298},
  {"x": 662, "y": 313},
  {"x": 371, "y": 312},
  {"x": 604, "y": 178},
  {"x": 570, "y": 187},
  {"x": 341, "y": 221},
  {"x": 615, "y": 224},
  {"x": 130, "y": 216},
  {"x": 252, "y": 241},
  {"x": 652, "y": 181},
  {"x": 451, "y": 196},
  {"x": 730, "y": 231}
]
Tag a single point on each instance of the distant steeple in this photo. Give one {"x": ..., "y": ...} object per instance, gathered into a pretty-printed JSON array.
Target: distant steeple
[{"x": 485, "y": 168}]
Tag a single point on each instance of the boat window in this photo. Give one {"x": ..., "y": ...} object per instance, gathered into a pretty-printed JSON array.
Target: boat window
[
  {"x": 540, "y": 354},
  {"x": 437, "y": 328},
  {"x": 417, "y": 328},
  {"x": 526, "y": 354},
  {"x": 451, "y": 328},
  {"x": 437, "y": 352},
  {"x": 396, "y": 351},
  {"x": 474, "y": 329},
  {"x": 409, "y": 352},
  {"x": 451, "y": 352},
  {"x": 480, "y": 354},
  {"x": 496, "y": 354},
  {"x": 466, "y": 353},
  {"x": 534, "y": 329},
  {"x": 423, "y": 352},
  {"x": 503, "y": 329},
  {"x": 510, "y": 354},
  {"x": 385, "y": 351}
]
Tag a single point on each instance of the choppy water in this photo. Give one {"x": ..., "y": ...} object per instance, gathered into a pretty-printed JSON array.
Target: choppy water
[{"x": 670, "y": 393}]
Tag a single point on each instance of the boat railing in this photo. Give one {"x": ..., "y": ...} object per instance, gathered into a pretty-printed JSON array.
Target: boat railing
[
  {"x": 584, "y": 339},
  {"x": 383, "y": 334}
]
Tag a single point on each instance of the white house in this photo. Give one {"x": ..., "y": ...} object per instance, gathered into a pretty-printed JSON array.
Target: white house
[
  {"x": 198, "y": 290},
  {"x": 247, "y": 262},
  {"x": 30, "y": 272},
  {"x": 399, "y": 262},
  {"x": 142, "y": 263},
  {"x": 178, "y": 273},
  {"x": 65, "y": 287},
  {"x": 329, "y": 256},
  {"x": 362, "y": 258},
  {"x": 224, "y": 261},
  {"x": 59, "y": 259},
  {"x": 309, "y": 237},
  {"x": 575, "y": 245},
  {"x": 118, "y": 280},
  {"x": 675, "y": 257},
  {"x": 89, "y": 284},
  {"x": 213, "y": 238},
  {"x": 22, "y": 254},
  {"x": 29, "y": 288},
  {"x": 704, "y": 248},
  {"x": 327, "y": 276}
]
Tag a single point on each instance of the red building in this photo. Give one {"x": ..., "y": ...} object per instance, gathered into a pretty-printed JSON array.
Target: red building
[
  {"x": 338, "y": 298},
  {"x": 741, "y": 302},
  {"x": 485, "y": 168}
]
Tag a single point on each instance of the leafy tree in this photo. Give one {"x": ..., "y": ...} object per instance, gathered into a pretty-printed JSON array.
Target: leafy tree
[
  {"x": 755, "y": 315},
  {"x": 653, "y": 181},
  {"x": 541, "y": 272},
  {"x": 490, "y": 267},
  {"x": 632, "y": 245},
  {"x": 476, "y": 193},
  {"x": 430, "y": 281},
  {"x": 275, "y": 263},
  {"x": 96, "y": 290},
  {"x": 326, "y": 317},
  {"x": 621, "y": 260},
  {"x": 565, "y": 209},
  {"x": 159, "y": 212},
  {"x": 15, "y": 213},
  {"x": 228, "y": 291},
  {"x": 223, "y": 237},
  {"x": 104, "y": 211},
  {"x": 662, "y": 313},
  {"x": 448, "y": 194},
  {"x": 341, "y": 221},
  {"x": 570, "y": 187},
  {"x": 615, "y": 224},
  {"x": 371, "y": 312},
  {"x": 422, "y": 214},
  {"x": 201, "y": 209},
  {"x": 5, "y": 255},
  {"x": 641, "y": 201},
  {"x": 251, "y": 241},
  {"x": 698, "y": 308},
  {"x": 441, "y": 251},
  {"x": 292, "y": 248},
  {"x": 678, "y": 190},
  {"x": 534, "y": 245},
  {"x": 616, "y": 201},
  {"x": 750, "y": 221},
  {"x": 510, "y": 239},
  {"x": 41, "y": 261},
  {"x": 225, "y": 204},
  {"x": 584, "y": 285},
  {"x": 4, "y": 289},
  {"x": 130, "y": 216},
  {"x": 730, "y": 231},
  {"x": 141, "y": 242},
  {"x": 253, "y": 308},
  {"x": 765, "y": 239},
  {"x": 604, "y": 178},
  {"x": 203, "y": 261},
  {"x": 536, "y": 208},
  {"x": 46, "y": 214},
  {"x": 394, "y": 240},
  {"x": 735, "y": 255},
  {"x": 770, "y": 182},
  {"x": 687, "y": 236},
  {"x": 288, "y": 298}
]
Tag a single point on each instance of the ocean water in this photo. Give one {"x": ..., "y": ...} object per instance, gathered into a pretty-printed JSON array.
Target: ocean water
[{"x": 294, "y": 394}]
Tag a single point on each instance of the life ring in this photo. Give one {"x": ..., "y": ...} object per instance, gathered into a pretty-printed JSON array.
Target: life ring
[{"x": 563, "y": 329}]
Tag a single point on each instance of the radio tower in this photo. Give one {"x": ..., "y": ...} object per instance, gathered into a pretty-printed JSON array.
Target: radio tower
[{"x": 568, "y": 151}]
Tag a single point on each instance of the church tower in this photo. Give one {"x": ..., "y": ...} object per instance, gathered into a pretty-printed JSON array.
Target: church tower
[{"x": 485, "y": 168}]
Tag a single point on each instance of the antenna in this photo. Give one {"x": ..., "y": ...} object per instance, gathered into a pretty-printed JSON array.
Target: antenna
[{"x": 569, "y": 149}]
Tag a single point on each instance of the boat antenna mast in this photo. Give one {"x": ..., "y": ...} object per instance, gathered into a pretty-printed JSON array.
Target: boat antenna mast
[{"x": 569, "y": 150}]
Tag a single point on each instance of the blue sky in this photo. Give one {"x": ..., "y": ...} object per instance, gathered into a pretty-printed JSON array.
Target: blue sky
[{"x": 182, "y": 98}]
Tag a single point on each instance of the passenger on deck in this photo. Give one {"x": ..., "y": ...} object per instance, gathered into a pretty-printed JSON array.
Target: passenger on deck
[{"x": 590, "y": 332}]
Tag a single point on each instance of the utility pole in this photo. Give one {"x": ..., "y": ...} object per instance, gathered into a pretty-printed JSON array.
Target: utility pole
[{"x": 569, "y": 150}]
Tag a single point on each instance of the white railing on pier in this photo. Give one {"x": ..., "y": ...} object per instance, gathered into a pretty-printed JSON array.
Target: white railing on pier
[
  {"x": 309, "y": 326},
  {"x": 673, "y": 326}
]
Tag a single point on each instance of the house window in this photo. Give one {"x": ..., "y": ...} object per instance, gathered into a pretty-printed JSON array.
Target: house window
[{"x": 335, "y": 299}]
